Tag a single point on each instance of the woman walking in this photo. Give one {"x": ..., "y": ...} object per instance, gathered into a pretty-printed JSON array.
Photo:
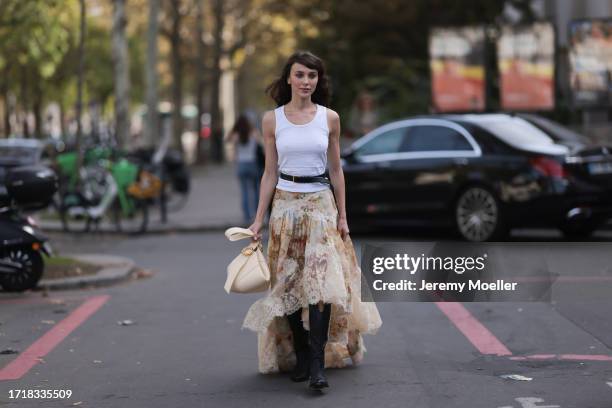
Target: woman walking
[
  {"x": 245, "y": 139},
  {"x": 313, "y": 316}
]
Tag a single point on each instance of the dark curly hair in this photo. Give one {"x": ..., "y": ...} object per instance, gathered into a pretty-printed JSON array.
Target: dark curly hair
[
  {"x": 243, "y": 128},
  {"x": 280, "y": 90}
]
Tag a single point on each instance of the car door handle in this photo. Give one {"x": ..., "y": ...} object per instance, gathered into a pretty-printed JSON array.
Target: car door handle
[
  {"x": 382, "y": 165},
  {"x": 461, "y": 161}
]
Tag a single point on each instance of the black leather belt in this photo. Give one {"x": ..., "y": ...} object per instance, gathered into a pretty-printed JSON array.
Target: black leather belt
[{"x": 306, "y": 179}]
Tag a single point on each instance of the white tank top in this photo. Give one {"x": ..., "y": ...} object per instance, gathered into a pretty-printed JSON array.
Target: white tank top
[
  {"x": 246, "y": 152},
  {"x": 302, "y": 149}
]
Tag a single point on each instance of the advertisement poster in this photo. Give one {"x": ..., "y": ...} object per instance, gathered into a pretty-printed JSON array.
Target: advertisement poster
[
  {"x": 590, "y": 60},
  {"x": 457, "y": 69},
  {"x": 525, "y": 58}
]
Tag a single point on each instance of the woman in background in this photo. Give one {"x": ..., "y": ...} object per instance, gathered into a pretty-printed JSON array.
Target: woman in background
[{"x": 245, "y": 139}]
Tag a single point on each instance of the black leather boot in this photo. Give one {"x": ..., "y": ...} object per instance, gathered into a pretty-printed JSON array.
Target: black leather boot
[
  {"x": 300, "y": 344},
  {"x": 319, "y": 328}
]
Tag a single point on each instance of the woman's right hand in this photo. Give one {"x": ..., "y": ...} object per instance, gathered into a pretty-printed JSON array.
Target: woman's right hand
[{"x": 256, "y": 228}]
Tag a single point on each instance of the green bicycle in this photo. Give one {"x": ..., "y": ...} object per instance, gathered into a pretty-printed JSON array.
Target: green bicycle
[{"x": 105, "y": 192}]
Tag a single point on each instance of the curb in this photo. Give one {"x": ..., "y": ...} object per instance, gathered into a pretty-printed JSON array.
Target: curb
[{"x": 117, "y": 269}]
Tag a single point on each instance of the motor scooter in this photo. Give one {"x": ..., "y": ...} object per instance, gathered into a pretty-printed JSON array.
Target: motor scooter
[
  {"x": 21, "y": 247},
  {"x": 21, "y": 241}
]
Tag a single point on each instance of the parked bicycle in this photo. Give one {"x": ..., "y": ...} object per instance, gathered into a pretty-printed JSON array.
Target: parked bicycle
[
  {"x": 108, "y": 191},
  {"x": 117, "y": 187}
]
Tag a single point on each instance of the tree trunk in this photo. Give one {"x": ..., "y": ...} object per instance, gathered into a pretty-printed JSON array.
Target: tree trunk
[
  {"x": 201, "y": 154},
  {"x": 7, "y": 103},
  {"x": 25, "y": 103},
  {"x": 62, "y": 118},
  {"x": 215, "y": 111},
  {"x": 152, "y": 122},
  {"x": 122, "y": 79},
  {"x": 177, "y": 77},
  {"x": 37, "y": 108},
  {"x": 80, "y": 75}
]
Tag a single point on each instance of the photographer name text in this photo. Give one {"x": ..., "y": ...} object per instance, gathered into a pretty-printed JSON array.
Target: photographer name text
[{"x": 408, "y": 285}]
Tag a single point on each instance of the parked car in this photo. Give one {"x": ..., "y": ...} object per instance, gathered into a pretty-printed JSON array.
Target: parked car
[
  {"x": 15, "y": 152},
  {"x": 482, "y": 173},
  {"x": 559, "y": 133}
]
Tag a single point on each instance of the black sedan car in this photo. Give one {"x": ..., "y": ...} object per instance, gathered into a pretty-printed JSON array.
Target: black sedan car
[
  {"x": 16, "y": 152},
  {"x": 482, "y": 173}
]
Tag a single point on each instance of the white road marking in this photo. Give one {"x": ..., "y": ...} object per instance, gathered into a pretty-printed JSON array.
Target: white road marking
[{"x": 530, "y": 402}]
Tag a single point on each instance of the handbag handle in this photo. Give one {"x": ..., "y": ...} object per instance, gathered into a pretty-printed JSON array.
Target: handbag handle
[{"x": 237, "y": 233}]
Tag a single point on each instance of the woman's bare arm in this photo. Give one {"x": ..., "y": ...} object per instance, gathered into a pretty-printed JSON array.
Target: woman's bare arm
[
  {"x": 336, "y": 174},
  {"x": 230, "y": 138},
  {"x": 270, "y": 175}
]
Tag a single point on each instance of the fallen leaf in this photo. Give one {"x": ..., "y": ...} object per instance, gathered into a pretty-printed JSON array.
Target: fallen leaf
[
  {"x": 516, "y": 377},
  {"x": 143, "y": 273}
]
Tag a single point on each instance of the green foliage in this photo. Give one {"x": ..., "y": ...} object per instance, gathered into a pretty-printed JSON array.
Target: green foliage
[
  {"x": 39, "y": 44},
  {"x": 382, "y": 46},
  {"x": 34, "y": 35}
]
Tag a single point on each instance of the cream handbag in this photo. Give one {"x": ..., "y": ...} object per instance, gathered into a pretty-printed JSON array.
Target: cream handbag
[{"x": 249, "y": 271}]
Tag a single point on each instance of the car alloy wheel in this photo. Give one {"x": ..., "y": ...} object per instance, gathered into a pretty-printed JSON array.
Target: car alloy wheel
[{"x": 477, "y": 214}]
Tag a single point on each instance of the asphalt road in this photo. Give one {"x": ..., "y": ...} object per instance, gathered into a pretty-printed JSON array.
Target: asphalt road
[{"x": 185, "y": 347}]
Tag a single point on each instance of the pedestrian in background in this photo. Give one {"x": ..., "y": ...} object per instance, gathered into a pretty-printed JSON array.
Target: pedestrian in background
[
  {"x": 245, "y": 140},
  {"x": 313, "y": 316},
  {"x": 364, "y": 115}
]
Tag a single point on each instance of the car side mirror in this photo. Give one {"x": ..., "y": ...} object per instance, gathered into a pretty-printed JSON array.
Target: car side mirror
[{"x": 348, "y": 155}]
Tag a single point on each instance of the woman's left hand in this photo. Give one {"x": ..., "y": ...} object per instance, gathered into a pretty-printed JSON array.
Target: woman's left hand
[{"x": 343, "y": 228}]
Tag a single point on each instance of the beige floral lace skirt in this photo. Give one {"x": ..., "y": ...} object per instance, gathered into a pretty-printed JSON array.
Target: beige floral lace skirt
[{"x": 310, "y": 262}]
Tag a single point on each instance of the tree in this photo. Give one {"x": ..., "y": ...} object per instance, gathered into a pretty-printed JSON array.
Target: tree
[
  {"x": 200, "y": 67},
  {"x": 216, "y": 120},
  {"x": 81, "y": 68},
  {"x": 152, "y": 120},
  {"x": 174, "y": 18},
  {"x": 122, "y": 79},
  {"x": 34, "y": 37},
  {"x": 383, "y": 45}
]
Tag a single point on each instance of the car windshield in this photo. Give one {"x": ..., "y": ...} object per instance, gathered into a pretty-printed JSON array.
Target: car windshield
[
  {"x": 516, "y": 132},
  {"x": 18, "y": 153},
  {"x": 556, "y": 130}
]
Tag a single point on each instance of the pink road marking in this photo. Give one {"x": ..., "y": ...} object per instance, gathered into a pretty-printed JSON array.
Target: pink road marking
[
  {"x": 590, "y": 357},
  {"x": 41, "y": 347},
  {"x": 471, "y": 328}
]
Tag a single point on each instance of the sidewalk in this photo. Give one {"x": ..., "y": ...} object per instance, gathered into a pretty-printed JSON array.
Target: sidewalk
[{"x": 214, "y": 202}]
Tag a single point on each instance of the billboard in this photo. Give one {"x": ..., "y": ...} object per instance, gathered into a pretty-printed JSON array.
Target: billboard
[
  {"x": 457, "y": 68},
  {"x": 526, "y": 60},
  {"x": 590, "y": 62}
]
